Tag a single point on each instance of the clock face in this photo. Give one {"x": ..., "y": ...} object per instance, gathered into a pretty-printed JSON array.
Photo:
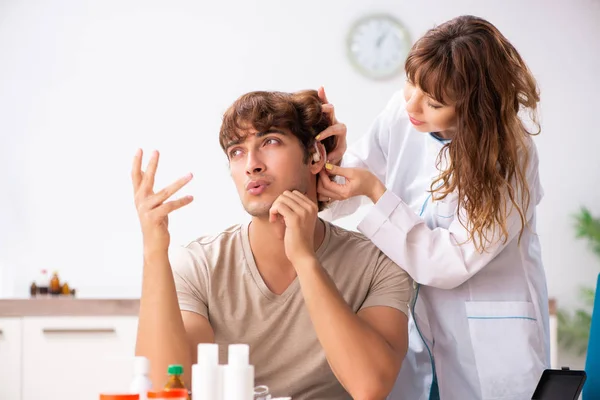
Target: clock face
[{"x": 378, "y": 46}]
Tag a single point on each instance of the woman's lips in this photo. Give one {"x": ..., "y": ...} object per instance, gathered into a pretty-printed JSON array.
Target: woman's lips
[{"x": 415, "y": 121}]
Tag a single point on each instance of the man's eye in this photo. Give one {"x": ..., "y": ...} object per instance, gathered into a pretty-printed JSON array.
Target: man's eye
[
  {"x": 271, "y": 141},
  {"x": 234, "y": 153}
]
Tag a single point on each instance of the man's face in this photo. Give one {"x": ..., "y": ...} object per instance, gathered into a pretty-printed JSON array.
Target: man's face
[{"x": 264, "y": 165}]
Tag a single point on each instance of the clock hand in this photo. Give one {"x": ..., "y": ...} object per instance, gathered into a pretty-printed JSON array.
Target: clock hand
[{"x": 382, "y": 37}]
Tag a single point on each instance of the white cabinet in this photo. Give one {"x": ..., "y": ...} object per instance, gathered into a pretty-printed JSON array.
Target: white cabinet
[
  {"x": 76, "y": 358},
  {"x": 10, "y": 358}
]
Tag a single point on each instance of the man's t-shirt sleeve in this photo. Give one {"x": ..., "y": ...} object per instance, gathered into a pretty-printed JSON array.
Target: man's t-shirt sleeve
[
  {"x": 191, "y": 279},
  {"x": 391, "y": 286}
]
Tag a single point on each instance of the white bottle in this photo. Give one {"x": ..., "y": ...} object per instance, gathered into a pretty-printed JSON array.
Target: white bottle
[
  {"x": 141, "y": 383},
  {"x": 238, "y": 374},
  {"x": 206, "y": 374}
]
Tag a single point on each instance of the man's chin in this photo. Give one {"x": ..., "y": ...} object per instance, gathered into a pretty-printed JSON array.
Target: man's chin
[{"x": 258, "y": 209}]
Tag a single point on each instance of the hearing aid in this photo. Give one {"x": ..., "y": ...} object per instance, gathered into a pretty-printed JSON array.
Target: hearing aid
[{"x": 317, "y": 153}]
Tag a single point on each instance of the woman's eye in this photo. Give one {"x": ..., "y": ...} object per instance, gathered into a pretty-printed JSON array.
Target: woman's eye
[{"x": 434, "y": 106}]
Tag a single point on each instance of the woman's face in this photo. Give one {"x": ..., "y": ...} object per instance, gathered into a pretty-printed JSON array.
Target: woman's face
[{"x": 428, "y": 115}]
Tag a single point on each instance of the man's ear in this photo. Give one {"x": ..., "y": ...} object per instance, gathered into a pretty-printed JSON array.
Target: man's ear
[{"x": 318, "y": 157}]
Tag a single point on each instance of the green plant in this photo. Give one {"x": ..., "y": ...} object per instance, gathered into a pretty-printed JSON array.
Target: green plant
[{"x": 574, "y": 329}]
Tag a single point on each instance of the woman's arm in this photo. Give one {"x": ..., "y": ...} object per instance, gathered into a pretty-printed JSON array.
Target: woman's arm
[
  {"x": 370, "y": 152},
  {"x": 442, "y": 258}
]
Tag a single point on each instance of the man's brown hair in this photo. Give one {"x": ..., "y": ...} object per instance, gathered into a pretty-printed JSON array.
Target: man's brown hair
[{"x": 300, "y": 113}]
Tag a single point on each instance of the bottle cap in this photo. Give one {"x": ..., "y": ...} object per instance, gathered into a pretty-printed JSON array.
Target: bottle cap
[
  {"x": 238, "y": 354},
  {"x": 169, "y": 394},
  {"x": 208, "y": 354},
  {"x": 175, "y": 369},
  {"x": 141, "y": 366}
]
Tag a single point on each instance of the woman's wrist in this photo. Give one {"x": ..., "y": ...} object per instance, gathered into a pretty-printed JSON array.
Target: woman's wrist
[{"x": 377, "y": 190}]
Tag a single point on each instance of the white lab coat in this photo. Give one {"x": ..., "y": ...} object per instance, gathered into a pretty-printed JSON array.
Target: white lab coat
[{"x": 483, "y": 317}]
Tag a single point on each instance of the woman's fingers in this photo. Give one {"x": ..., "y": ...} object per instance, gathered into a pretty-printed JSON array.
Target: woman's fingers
[
  {"x": 327, "y": 196},
  {"x": 322, "y": 95},
  {"x": 329, "y": 109},
  {"x": 347, "y": 173},
  {"x": 331, "y": 189},
  {"x": 338, "y": 129},
  {"x": 335, "y": 157}
]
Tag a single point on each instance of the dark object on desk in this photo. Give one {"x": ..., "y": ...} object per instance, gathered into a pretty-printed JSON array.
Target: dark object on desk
[
  {"x": 592, "y": 361},
  {"x": 559, "y": 384}
]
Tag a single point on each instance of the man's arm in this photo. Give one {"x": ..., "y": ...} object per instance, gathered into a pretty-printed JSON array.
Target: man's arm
[
  {"x": 164, "y": 336},
  {"x": 167, "y": 335},
  {"x": 365, "y": 350}
]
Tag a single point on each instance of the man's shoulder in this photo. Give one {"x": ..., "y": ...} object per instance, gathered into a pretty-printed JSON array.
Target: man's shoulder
[
  {"x": 210, "y": 248},
  {"x": 352, "y": 251},
  {"x": 346, "y": 235},
  {"x": 226, "y": 236},
  {"x": 353, "y": 244}
]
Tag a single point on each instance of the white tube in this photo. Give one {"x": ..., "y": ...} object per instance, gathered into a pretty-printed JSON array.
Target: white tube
[
  {"x": 206, "y": 379},
  {"x": 141, "y": 383},
  {"x": 238, "y": 374}
]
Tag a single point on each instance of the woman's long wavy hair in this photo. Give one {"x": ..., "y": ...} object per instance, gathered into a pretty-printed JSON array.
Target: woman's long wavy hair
[{"x": 466, "y": 62}]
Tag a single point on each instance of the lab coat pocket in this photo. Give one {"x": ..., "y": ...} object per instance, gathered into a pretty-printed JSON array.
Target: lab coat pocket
[
  {"x": 507, "y": 348},
  {"x": 444, "y": 212}
]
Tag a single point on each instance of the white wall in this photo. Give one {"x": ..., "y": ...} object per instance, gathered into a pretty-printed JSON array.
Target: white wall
[{"x": 84, "y": 83}]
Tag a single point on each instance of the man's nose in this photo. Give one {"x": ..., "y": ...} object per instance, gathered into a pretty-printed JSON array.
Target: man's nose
[{"x": 254, "y": 164}]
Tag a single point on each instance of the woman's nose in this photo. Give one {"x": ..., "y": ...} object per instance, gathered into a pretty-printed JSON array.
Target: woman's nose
[{"x": 413, "y": 104}]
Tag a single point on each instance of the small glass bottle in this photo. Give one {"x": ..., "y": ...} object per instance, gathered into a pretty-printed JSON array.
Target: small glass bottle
[
  {"x": 65, "y": 291},
  {"x": 33, "y": 290},
  {"x": 55, "y": 284},
  {"x": 175, "y": 380}
]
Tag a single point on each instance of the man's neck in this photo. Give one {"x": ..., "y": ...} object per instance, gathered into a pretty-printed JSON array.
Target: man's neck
[{"x": 269, "y": 252}]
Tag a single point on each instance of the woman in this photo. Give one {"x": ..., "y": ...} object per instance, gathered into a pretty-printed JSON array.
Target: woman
[{"x": 453, "y": 174}]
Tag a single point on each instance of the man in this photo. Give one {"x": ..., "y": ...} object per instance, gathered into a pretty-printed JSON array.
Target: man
[{"x": 323, "y": 310}]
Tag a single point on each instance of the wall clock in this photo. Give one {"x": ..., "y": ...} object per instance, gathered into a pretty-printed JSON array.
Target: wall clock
[{"x": 377, "y": 46}]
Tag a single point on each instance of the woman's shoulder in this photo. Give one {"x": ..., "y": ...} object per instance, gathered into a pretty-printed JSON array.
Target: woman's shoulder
[{"x": 529, "y": 153}]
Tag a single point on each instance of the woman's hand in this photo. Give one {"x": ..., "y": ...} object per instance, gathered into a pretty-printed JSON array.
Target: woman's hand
[
  {"x": 336, "y": 129},
  {"x": 358, "y": 182}
]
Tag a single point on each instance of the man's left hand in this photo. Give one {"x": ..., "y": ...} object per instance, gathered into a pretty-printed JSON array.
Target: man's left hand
[{"x": 299, "y": 215}]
